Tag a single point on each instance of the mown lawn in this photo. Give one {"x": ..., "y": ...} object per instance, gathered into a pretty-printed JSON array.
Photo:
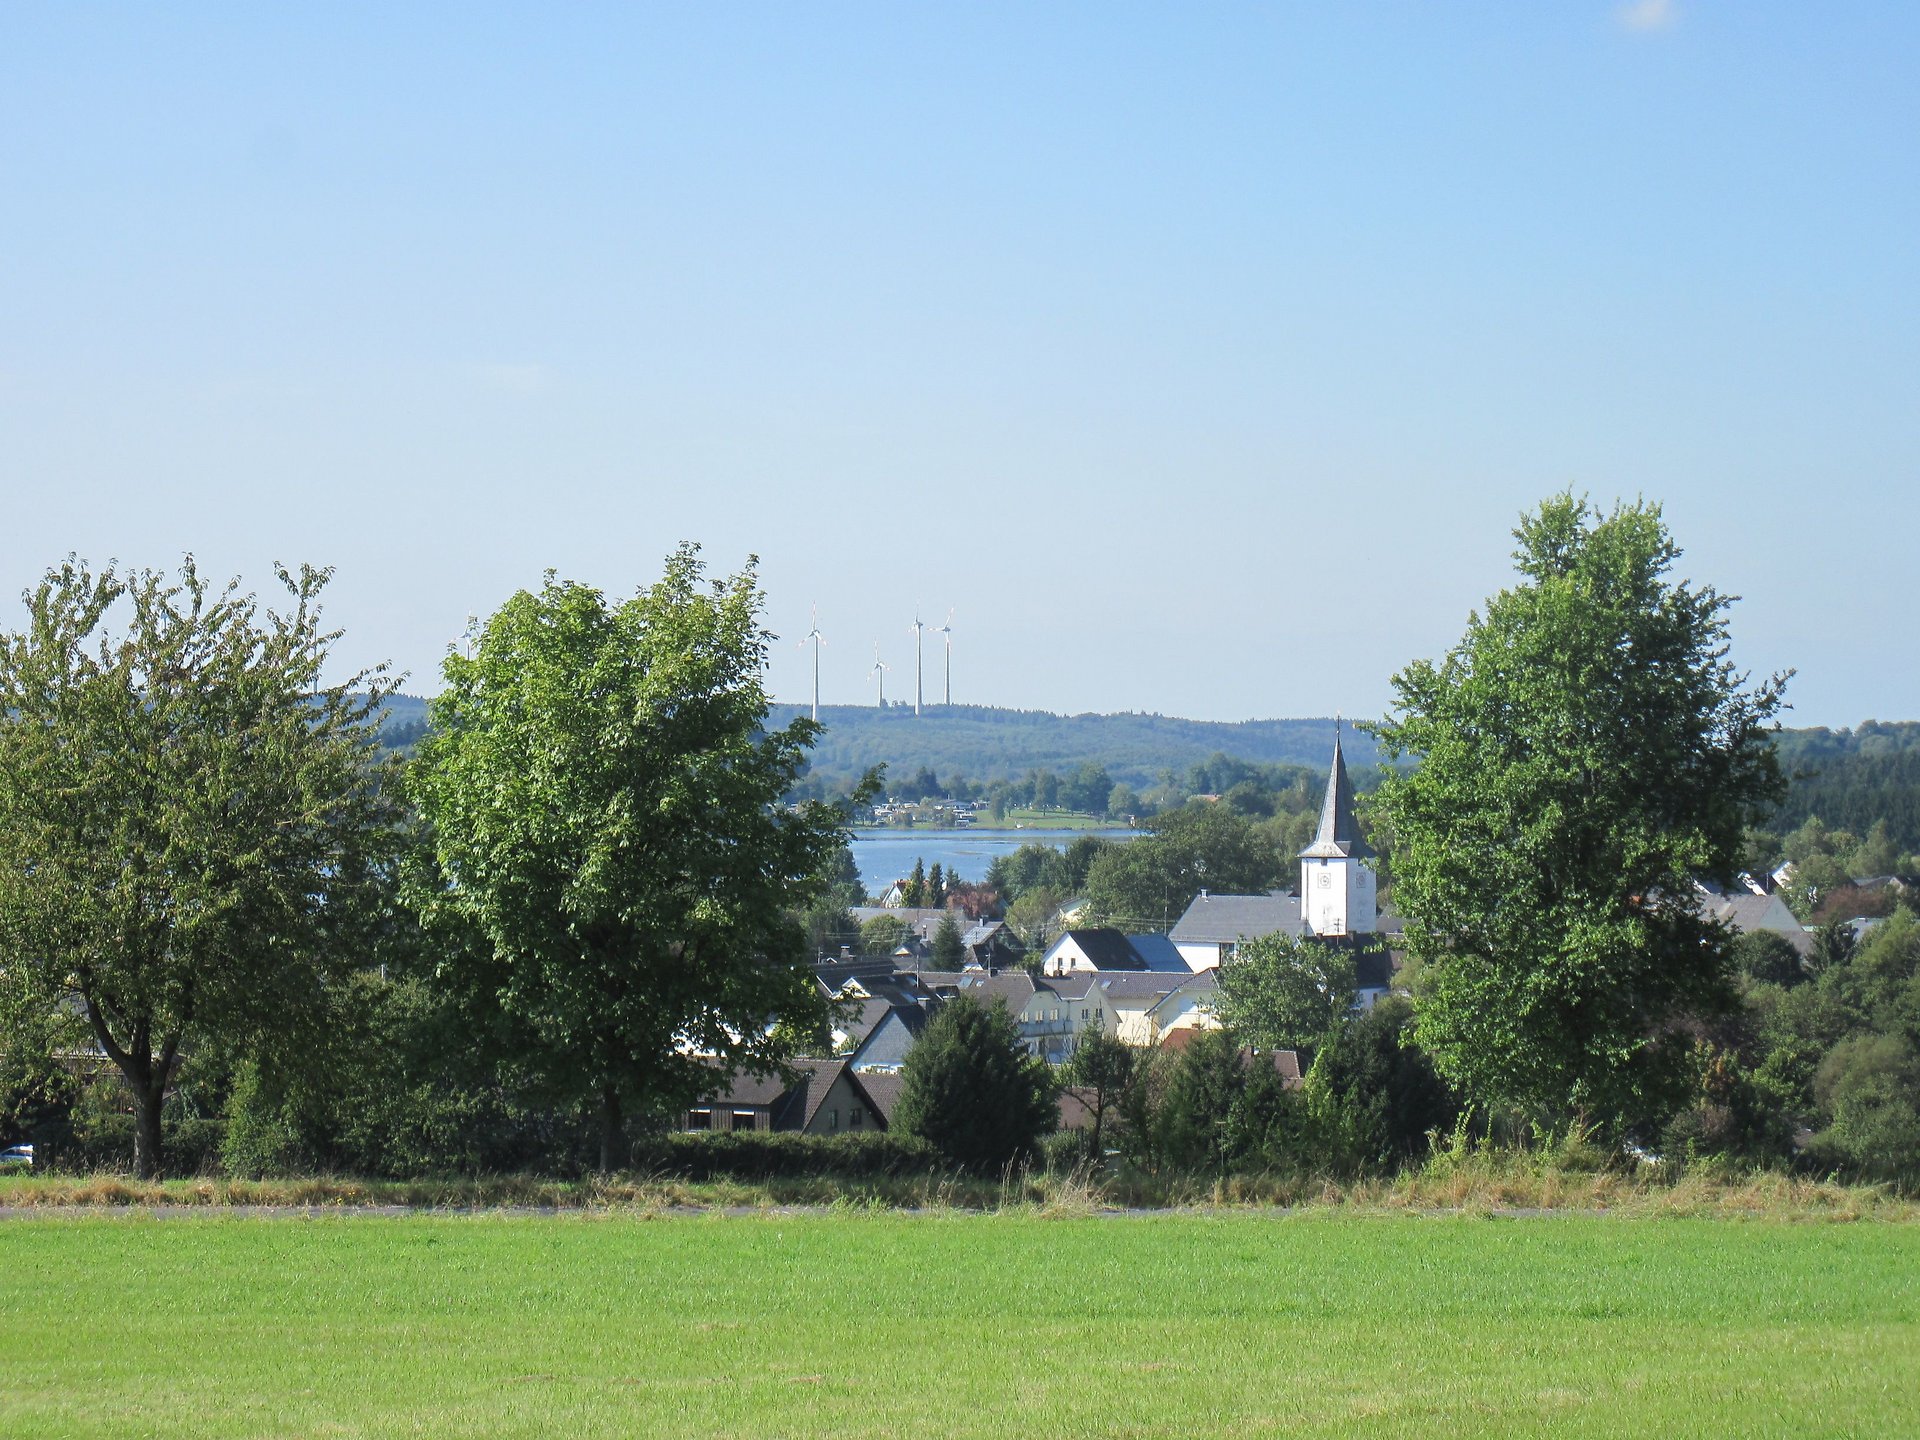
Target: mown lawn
[{"x": 956, "y": 1325}]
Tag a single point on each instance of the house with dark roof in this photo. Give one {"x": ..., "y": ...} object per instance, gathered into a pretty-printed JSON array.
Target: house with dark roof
[
  {"x": 1097, "y": 949},
  {"x": 878, "y": 1034},
  {"x": 992, "y": 946},
  {"x": 826, "y": 1097}
]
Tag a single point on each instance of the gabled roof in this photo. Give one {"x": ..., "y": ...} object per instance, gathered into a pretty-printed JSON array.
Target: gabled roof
[
  {"x": 792, "y": 1105},
  {"x": 1105, "y": 949},
  {"x": 1338, "y": 837},
  {"x": 872, "y": 1014},
  {"x": 1160, "y": 954},
  {"x": 1150, "y": 986},
  {"x": 1014, "y": 988},
  {"x": 882, "y": 1089},
  {"x": 1745, "y": 912},
  {"x": 1224, "y": 919},
  {"x": 803, "y": 1102}
]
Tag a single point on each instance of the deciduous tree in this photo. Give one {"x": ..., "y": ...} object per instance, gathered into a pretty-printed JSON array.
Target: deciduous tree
[
  {"x": 604, "y": 800},
  {"x": 1585, "y": 753},
  {"x": 1284, "y": 993},
  {"x": 196, "y": 831},
  {"x": 1148, "y": 883}
]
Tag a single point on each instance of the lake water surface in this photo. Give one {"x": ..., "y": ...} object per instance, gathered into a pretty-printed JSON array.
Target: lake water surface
[{"x": 886, "y": 855}]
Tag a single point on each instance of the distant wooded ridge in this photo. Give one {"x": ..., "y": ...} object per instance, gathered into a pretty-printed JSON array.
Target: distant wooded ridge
[
  {"x": 985, "y": 742},
  {"x": 1849, "y": 778}
]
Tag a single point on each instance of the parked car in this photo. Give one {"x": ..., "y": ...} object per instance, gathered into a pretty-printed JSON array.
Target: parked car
[{"x": 17, "y": 1155}]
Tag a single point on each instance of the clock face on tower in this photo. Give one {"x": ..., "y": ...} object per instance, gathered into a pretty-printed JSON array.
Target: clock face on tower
[{"x": 1326, "y": 880}]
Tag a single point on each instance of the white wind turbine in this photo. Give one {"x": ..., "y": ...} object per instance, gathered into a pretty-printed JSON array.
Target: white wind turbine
[
  {"x": 946, "y": 629},
  {"x": 914, "y": 630},
  {"x": 880, "y": 668},
  {"x": 818, "y": 640}
]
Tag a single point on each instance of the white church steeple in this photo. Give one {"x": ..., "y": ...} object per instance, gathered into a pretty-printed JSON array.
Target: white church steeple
[{"x": 1336, "y": 882}]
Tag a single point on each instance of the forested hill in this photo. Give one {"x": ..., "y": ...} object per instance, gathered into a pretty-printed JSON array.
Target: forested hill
[
  {"x": 1848, "y": 778},
  {"x": 1851, "y": 778},
  {"x": 985, "y": 743}
]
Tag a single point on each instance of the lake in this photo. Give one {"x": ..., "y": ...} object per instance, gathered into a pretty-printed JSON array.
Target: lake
[{"x": 887, "y": 855}]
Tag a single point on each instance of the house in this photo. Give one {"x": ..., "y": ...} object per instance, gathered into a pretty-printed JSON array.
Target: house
[
  {"x": 1214, "y": 925},
  {"x": 1143, "y": 1007},
  {"x": 1095, "y": 949},
  {"x": 827, "y": 1097},
  {"x": 878, "y": 1033},
  {"x": 992, "y": 946},
  {"x": 1743, "y": 910},
  {"x": 1050, "y": 1014},
  {"x": 1109, "y": 951}
]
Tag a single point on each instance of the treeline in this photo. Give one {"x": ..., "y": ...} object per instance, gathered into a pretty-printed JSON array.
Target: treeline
[
  {"x": 226, "y": 907},
  {"x": 990, "y": 743},
  {"x": 1853, "y": 781},
  {"x": 1256, "y": 791}
]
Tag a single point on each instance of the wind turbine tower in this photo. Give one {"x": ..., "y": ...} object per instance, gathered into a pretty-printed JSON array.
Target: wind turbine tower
[
  {"x": 880, "y": 669},
  {"x": 914, "y": 630},
  {"x": 818, "y": 640},
  {"x": 947, "y": 630}
]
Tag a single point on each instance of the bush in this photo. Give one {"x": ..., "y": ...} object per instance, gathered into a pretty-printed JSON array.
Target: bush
[
  {"x": 105, "y": 1142},
  {"x": 1869, "y": 1086},
  {"x": 1374, "y": 1094},
  {"x": 973, "y": 1092},
  {"x": 1768, "y": 958}
]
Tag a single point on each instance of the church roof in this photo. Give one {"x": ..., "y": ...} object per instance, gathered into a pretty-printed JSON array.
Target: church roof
[{"x": 1339, "y": 835}]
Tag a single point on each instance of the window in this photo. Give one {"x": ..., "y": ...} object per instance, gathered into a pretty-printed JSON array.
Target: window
[
  {"x": 745, "y": 1120},
  {"x": 854, "y": 1118},
  {"x": 699, "y": 1120},
  {"x": 833, "y": 1119}
]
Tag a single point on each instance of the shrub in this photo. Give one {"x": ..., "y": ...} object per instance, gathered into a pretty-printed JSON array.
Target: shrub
[{"x": 973, "y": 1092}]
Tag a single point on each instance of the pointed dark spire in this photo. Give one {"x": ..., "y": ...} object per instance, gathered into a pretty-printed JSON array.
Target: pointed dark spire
[{"x": 1339, "y": 835}]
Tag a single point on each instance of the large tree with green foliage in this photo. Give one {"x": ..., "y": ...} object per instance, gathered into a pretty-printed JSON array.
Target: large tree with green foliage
[
  {"x": 1586, "y": 752},
  {"x": 971, "y": 1090},
  {"x": 1148, "y": 883},
  {"x": 1281, "y": 992},
  {"x": 195, "y": 830},
  {"x": 604, "y": 803}
]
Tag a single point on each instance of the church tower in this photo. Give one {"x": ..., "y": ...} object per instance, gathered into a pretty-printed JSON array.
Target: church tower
[{"x": 1336, "y": 882}]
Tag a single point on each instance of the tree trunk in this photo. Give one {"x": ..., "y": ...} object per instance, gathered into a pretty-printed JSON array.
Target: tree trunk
[
  {"x": 146, "y": 1129},
  {"x": 611, "y": 1130}
]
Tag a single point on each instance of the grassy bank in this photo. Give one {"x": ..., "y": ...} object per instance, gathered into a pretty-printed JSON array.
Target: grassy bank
[
  {"x": 877, "y": 1325},
  {"x": 1481, "y": 1183}
]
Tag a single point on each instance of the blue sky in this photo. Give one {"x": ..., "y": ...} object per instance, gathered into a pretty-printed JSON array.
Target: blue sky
[{"x": 1200, "y": 357}]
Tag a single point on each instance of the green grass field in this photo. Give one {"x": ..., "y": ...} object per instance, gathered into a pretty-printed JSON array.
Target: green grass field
[{"x": 956, "y": 1325}]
